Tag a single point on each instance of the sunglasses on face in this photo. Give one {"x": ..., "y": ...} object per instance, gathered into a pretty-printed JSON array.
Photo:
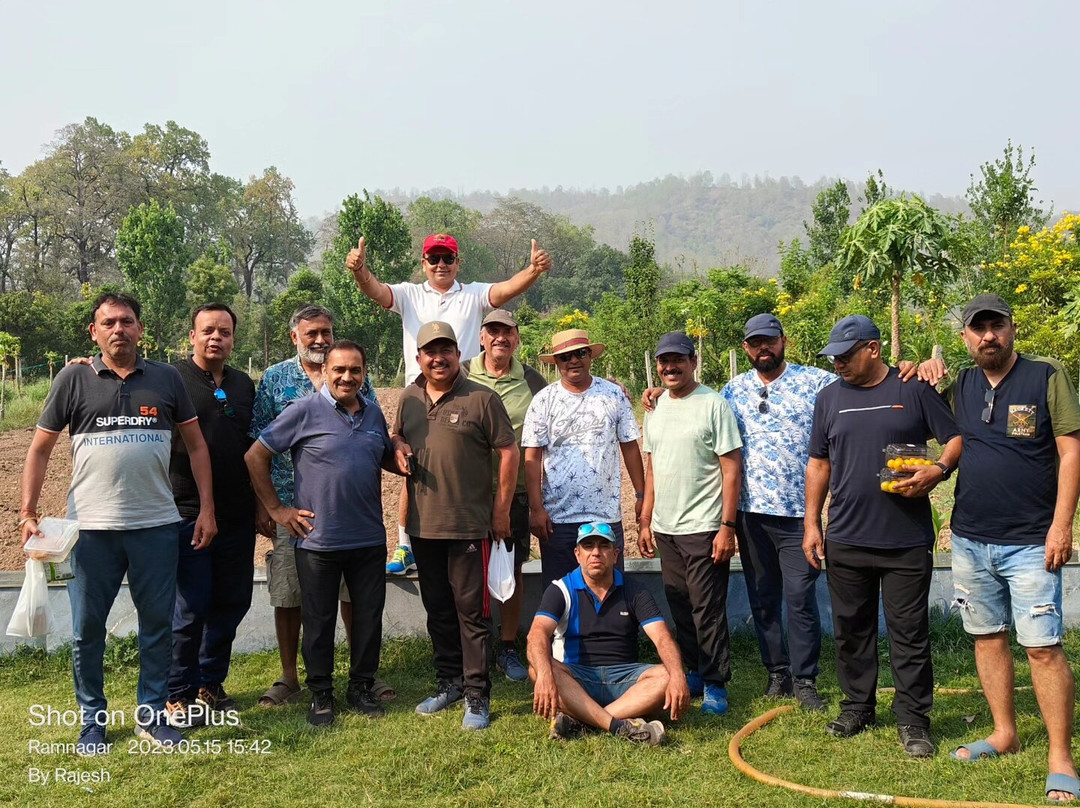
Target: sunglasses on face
[
  {"x": 580, "y": 353},
  {"x": 447, "y": 258},
  {"x": 844, "y": 358},
  {"x": 763, "y": 407},
  {"x": 988, "y": 410},
  {"x": 223, "y": 400}
]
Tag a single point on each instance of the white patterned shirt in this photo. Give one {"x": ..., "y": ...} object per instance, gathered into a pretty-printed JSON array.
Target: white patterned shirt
[
  {"x": 775, "y": 443},
  {"x": 580, "y": 434}
]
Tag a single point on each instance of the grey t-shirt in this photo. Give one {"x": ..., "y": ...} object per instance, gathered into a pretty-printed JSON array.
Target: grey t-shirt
[{"x": 121, "y": 440}]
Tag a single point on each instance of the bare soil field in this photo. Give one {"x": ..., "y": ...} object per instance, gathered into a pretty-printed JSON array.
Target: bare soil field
[{"x": 53, "y": 502}]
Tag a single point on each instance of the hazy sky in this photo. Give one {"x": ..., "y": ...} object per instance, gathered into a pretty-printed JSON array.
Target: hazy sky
[{"x": 500, "y": 94}]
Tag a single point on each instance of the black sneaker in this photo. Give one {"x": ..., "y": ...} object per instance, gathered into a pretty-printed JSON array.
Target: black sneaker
[
  {"x": 360, "y": 699},
  {"x": 779, "y": 686},
  {"x": 564, "y": 728},
  {"x": 806, "y": 693},
  {"x": 321, "y": 712},
  {"x": 849, "y": 723},
  {"x": 92, "y": 741},
  {"x": 915, "y": 740},
  {"x": 214, "y": 697}
]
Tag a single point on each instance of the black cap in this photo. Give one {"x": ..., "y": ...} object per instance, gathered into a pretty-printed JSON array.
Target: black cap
[
  {"x": 982, "y": 303},
  {"x": 675, "y": 342},
  {"x": 762, "y": 325},
  {"x": 847, "y": 333}
]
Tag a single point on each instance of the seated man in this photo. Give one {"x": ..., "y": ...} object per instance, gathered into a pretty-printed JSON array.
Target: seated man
[{"x": 592, "y": 676}]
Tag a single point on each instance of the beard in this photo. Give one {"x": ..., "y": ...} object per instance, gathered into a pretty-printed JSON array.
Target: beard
[
  {"x": 313, "y": 356},
  {"x": 766, "y": 363},
  {"x": 993, "y": 360}
]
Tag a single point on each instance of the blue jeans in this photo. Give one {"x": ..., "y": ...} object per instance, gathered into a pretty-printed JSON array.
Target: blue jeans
[
  {"x": 99, "y": 561},
  {"x": 607, "y": 683},
  {"x": 213, "y": 593},
  {"x": 557, "y": 553},
  {"x": 995, "y": 582}
]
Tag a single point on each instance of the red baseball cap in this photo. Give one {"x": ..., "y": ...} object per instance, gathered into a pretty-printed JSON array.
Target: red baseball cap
[{"x": 441, "y": 241}]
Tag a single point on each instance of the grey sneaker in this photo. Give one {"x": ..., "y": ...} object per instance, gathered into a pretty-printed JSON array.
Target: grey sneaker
[
  {"x": 477, "y": 711},
  {"x": 446, "y": 695},
  {"x": 509, "y": 663},
  {"x": 915, "y": 740},
  {"x": 779, "y": 686},
  {"x": 564, "y": 728},
  {"x": 806, "y": 693},
  {"x": 638, "y": 730}
]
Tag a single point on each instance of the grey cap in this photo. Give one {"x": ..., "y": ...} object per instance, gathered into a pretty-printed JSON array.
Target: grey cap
[
  {"x": 675, "y": 342},
  {"x": 762, "y": 325},
  {"x": 982, "y": 303},
  {"x": 847, "y": 333},
  {"x": 501, "y": 316}
]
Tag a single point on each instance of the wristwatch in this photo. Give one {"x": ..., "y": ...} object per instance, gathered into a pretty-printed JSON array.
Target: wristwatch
[
  {"x": 946, "y": 472},
  {"x": 727, "y": 523}
]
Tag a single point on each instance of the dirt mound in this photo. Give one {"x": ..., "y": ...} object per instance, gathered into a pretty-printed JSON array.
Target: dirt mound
[{"x": 53, "y": 501}]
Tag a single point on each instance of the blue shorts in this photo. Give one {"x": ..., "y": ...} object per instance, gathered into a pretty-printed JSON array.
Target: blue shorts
[
  {"x": 607, "y": 683},
  {"x": 998, "y": 584}
]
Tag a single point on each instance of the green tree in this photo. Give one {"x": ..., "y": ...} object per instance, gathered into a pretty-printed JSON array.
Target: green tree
[
  {"x": 830, "y": 210},
  {"x": 874, "y": 190},
  {"x": 426, "y": 216},
  {"x": 1003, "y": 200},
  {"x": 389, "y": 255},
  {"x": 151, "y": 253},
  {"x": 208, "y": 281},
  {"x": 891, "y": 239}
]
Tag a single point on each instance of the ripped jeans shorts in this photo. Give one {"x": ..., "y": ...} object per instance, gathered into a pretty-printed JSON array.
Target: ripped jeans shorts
[{"x": 999, "y": 584}]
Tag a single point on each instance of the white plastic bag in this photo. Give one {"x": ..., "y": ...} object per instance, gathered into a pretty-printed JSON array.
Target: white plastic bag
[
  {"x": 33, "y": 615},
  {"x": 500, "y": 575}
]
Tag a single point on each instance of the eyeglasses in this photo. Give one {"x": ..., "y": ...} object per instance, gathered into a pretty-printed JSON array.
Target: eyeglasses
[
  {"x": 763, "y": 407},
  {"x": 447, "y": 258},
  {"x": 988, "y": 410},
  {"x": 223, "y": 400},
  {"x": 580, "y": 353},
  {"x": 601, "y": 529},
  {"x": 844, "y": 358}
]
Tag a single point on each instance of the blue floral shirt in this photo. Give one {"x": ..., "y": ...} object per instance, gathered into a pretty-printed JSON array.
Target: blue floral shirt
[
  {"x": 279, "y": 386},
  {"x": 775, "y": 443}
]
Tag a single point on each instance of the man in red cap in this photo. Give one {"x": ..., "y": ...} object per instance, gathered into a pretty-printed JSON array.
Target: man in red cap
[{"x": 441, "y": 297}]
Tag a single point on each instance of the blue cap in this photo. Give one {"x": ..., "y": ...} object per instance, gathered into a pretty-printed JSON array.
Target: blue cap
[
  {"x": 847, "y": 333},
  {"x": 675, "y": 342},
  {"x": 762, "y": 325}
]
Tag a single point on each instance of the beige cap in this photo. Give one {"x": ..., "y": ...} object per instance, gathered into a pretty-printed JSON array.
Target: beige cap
[{"x": 429, "y": 332}]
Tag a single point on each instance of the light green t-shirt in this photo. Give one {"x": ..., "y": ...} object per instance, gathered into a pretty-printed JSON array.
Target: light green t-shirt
[
  {"x": 686, "y": 437},
  {"x": 513, "y": 389}
]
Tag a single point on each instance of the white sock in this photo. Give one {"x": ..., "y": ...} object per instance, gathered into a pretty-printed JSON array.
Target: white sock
[{"x": 403, "y": 539}]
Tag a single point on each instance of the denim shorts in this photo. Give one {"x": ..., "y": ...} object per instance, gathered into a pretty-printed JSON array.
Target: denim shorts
[
  {"x": 997, "y": 584},
  {"x": 607, "y": 683}
]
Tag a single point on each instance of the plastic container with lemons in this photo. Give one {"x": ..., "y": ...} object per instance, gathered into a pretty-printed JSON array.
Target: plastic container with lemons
[{"x": 899, "y": 456}]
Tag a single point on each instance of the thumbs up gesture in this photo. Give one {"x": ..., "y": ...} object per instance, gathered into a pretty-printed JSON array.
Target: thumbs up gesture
[
  {"x": 356, "y": 262},
  {"x": 539, "y": 260}
]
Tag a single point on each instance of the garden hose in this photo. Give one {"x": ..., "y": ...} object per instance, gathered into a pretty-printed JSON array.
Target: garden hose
[{"x": 735, "y": 753}]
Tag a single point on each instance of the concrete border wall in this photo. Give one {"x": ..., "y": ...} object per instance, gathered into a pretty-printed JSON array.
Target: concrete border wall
[{"x": 404, "y": 614}]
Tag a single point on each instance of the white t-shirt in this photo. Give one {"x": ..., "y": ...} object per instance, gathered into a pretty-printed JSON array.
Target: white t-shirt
[
  {"x": 580, "y": 434},
  {"x": 463, "y": 307}
]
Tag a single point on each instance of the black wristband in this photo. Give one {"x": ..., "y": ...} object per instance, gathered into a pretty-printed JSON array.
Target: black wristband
[{"x": 726, "y": 523}]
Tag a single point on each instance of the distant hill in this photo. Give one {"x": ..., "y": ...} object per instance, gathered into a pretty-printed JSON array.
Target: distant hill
[{"x": 698, "y": 222}]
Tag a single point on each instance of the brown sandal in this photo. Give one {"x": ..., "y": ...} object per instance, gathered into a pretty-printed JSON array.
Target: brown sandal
[
  {"x": 281, "y": 692},
  {"x": 383, "y": 691}
]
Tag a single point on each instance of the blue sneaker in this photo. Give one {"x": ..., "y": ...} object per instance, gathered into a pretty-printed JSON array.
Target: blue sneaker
[
  {"x": 477, "y": 712},
  {"x": 161, "y": 735},
  {"x": 92, "y": 741},
  {"x": 447, "y": 695},
  {"x": 402, "y": 562},
  {"x": 509, "y": 663},
  {"x": 696, "y": 684},
  {"x": 715, "y": 701}
]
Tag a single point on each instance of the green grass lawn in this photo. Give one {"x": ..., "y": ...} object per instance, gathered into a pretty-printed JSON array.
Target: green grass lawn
[{"x": 409, "y": 760}]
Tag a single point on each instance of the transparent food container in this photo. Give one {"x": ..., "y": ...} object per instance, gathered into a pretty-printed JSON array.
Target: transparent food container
[
  {"x": 898, "y": 455},
  {"x": 888, "y": 479},
  {"x": 59, "y": 537}
]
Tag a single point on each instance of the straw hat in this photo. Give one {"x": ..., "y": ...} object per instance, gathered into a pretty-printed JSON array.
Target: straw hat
[{"x": 571, "y": 340}]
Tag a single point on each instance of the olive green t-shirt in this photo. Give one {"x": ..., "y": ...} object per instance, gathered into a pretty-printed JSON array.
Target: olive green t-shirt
[{"x": 453, "y": 441}]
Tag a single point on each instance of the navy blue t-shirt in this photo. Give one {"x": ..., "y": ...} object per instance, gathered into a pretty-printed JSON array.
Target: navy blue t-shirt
[
  {"x": 595, "y": 633},
  {"x": 336, "y": 462},
  {"x": 852, "y": 427},
  {"x": 1006, "y": 485}
]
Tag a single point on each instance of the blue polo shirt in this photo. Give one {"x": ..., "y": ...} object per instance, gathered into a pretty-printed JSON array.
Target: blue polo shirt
[
  {"x": 336, "y": 460},
  {"x": 593, "y": 632}
]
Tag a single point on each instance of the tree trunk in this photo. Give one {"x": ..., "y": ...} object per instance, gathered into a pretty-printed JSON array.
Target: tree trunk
[{"x": 894, "y": 351}]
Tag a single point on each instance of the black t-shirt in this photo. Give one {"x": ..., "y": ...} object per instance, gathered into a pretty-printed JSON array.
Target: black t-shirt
[
  {"x": 594, "y": 633},
  {"x": 852, "y": 427},
  {"x": 1006, "y": 485},
  {"x": 227, "y": 438}
]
